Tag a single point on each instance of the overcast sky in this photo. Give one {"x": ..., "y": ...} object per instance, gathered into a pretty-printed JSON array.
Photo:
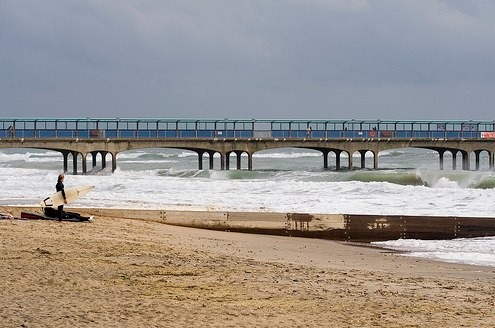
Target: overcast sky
[{"x": 319, "y": 59}]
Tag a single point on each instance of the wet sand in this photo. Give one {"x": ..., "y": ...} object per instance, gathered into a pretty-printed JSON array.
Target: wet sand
[{"x": 118, "y": 272}]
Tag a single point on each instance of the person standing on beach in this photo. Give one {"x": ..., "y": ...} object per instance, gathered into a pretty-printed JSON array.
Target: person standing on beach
[{"x": 60, "y": 187}]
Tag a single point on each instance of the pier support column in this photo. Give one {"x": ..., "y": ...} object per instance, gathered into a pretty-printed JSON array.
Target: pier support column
[
  {"x": 114, "y": 161},
  {"x": 222, "y": 161},
  {"x": 325, "y": 158},
  {"x": 440, "y": 157},
  {"x": 250, "y": 161},
  {"x": 94, "y": 159},
  {"x": 477, "y": 159},
  {"x": 375, "y": 161},
  {"x": 200, "y": 159},
  {"x": 84, "y": 163},
  {"x": 211, "y": 153},
  {"x": 337, "y": 159},
  {"x": 74, "y": 162},
  {"x": 239, "y": 154},
  {"x": 94, "y": 154},
  {"x": 465, "y": 160},
  {"x": 350, "y": 161},
  {"x": 490, "y": 160},
  {"x": 227, "y": 161},
  {"x": 363, "y": 158},
  {"x": 103, "y": 159},
  {"x": 454, "y": 159},
  {"x": 65, "y": 154}
]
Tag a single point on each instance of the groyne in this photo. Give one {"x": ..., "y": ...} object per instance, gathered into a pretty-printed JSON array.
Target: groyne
[{"x": 344, "y": 227}]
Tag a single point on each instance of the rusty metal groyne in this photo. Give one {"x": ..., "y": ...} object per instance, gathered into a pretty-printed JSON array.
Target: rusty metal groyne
[{"x": 344, "y": 227}]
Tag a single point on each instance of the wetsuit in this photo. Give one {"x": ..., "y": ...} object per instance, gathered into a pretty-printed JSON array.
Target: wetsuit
[{"x": 60, "y": 209}]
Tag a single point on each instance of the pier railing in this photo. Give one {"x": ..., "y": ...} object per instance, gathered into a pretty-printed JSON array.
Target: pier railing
[{"x": 242, "y": 128}]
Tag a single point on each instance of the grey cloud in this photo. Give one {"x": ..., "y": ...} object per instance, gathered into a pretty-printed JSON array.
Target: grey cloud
[{"x": 315, "y": 58}]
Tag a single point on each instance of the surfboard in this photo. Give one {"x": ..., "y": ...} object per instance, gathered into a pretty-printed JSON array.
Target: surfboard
[{"x": 71, "y": 194}]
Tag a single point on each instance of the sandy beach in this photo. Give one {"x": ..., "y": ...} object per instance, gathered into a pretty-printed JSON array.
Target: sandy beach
[{"x": 117, "y": 272}]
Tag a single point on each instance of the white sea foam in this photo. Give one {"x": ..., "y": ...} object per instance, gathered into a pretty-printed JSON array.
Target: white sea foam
[
  {"x": 30, "y": 157},
  {"x": 476, "y": 251}
]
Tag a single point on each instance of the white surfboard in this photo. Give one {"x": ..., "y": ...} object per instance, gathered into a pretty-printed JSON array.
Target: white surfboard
[{"x": 71, "y": 194}]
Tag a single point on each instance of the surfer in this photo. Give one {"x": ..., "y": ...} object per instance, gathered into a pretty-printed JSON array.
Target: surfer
[{"x": 60, "y": 187}]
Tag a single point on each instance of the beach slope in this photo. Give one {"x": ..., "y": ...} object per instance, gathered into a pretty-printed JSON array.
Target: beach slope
[{"x": 132, "y": 273}]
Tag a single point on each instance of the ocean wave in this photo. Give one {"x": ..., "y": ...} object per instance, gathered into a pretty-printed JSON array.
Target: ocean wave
[
  {"x": 392, "y": 153},
  {"x": 31, "y": 157},
  {"x": 485, "y": 183},
  {"x": 183, "y": 173},
  {"x": 400, "y": 178},
  {"x": 411, "y": 177},
  {"x": 458, "y": 179}
]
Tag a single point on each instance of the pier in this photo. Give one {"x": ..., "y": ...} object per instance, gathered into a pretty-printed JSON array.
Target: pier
[{"x": 87, "y": 142}]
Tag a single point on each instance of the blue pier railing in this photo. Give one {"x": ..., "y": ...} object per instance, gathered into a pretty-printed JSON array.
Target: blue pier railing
[{"x": 241, "y": 128}]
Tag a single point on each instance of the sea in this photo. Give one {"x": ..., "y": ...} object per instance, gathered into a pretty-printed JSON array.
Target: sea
[{"x": 408, "y": 182}]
